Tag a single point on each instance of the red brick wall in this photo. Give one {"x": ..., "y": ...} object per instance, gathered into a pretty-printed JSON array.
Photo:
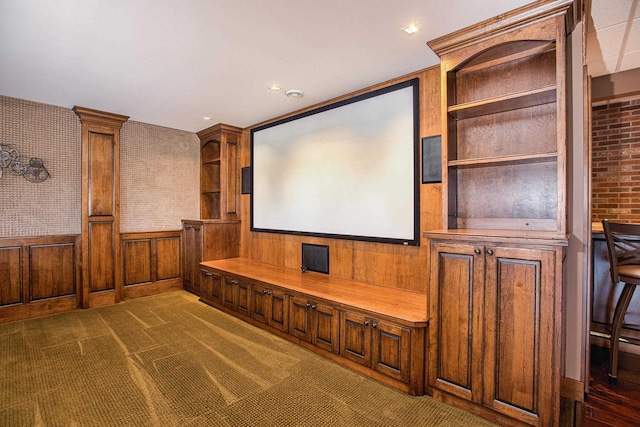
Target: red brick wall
[{"x": 616, "y": 161}]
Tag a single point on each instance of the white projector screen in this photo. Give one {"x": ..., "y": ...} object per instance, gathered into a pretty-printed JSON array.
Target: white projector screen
[{"x": 347, "y": 170}]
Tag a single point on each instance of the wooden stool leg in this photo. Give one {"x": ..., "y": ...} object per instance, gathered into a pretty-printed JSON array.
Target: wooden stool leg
[{"x": 618, "y": 318}]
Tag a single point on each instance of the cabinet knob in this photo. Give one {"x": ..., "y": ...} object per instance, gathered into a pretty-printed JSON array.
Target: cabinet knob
[
  {"x": 268, "y": 292},
  {"x": 307, "y": 305},
  {"x": 366, "y": 323},
  {"x": 208, "y": 274},
  {"x": 313, "y": 307},
  {"x": 476, "y": 251},
  {"x": 374, "y": 325},
  {"x": 489, "y": 252}
]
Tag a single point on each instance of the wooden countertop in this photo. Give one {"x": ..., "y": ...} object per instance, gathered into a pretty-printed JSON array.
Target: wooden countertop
[{"x": 396, "y": 303}]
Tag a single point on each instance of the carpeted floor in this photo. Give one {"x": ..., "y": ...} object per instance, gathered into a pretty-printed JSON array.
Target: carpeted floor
[{"x": 169, "y": 360}]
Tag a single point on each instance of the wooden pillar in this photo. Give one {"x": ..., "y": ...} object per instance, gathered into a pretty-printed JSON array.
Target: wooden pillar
[{"x": 101, "y": 282}]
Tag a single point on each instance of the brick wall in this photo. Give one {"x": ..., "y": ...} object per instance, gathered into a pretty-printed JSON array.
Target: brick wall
[{"x": 616, "y": 161}]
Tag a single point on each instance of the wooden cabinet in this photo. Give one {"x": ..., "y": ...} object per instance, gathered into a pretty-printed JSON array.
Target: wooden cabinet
[
  {"x": 210, "y": 287},
  {"x": 495, "y": 326},
  {"x": 329, "y": 316},
  {"x": 219, "y": 176},
  {"x": 314, "y": 322},
  {"x": 505, "y": 118},
  {"x": 205, "y": 241},
  {"x": 271, "y": 307},
  {"x": 236, "y": 295},
  {"x": 380, "y": 345}
]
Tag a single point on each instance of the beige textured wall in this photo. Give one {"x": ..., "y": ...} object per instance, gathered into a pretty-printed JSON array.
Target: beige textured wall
[
  {"x": 159, "y": 173},
  {"x": 159, "y": 177},
  {"x": 53, "y": 134}
]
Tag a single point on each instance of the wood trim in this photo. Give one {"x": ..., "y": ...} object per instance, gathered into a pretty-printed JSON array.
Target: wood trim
[
  {"x": 502, "y": 23},
  {"x": 108, "y": 125},
  {"x": 572, "y": 389},
  {"x": 49, "y": 273}
]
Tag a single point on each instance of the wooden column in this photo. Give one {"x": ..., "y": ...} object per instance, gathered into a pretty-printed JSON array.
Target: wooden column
[{"x": 101, "y": 283}]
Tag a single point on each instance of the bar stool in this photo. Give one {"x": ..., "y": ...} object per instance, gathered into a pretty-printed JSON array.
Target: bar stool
[{"x": 624, "y": 257}]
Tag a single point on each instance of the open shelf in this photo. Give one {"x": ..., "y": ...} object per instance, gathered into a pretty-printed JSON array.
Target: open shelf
[
  {"x": 514, "y": 159},
  {"x": 500, "y": 104}
]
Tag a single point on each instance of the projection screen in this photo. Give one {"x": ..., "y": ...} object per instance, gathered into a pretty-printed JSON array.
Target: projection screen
[{"x": 347, "y": 170}]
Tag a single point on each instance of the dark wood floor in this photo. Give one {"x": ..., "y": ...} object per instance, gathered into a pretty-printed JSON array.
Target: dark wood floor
[{"x": 612, "y": 404}]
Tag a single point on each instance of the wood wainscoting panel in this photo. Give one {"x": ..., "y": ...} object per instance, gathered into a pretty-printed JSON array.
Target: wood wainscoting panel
[
  {"x": 38, "y": 276},
  {"x": 10, "y": 275},
  {"x": 168, "y": 257},
  {"x": 52, "y": 271},
  {"x": 151, "y": 262},
  {"x": 101, "y": 256},
  {"x": 137, "y": 261}
]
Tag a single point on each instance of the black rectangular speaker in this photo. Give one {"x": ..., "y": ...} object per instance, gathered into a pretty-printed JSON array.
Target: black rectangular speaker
[
  {"x": 432, "y": 159},
  {"x": 315, "y": 258},
  {"x": 246, "y": 180}
]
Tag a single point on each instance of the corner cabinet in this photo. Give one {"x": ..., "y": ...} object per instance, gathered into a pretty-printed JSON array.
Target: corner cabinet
[
  {"x": 496, "y": 266},
  {"x": 206, "y": 240},
  {"x": 219, "y": 176}
]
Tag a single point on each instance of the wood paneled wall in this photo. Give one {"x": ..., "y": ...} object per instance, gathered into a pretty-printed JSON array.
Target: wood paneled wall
[
  {"x": 38, "y": 276},
  {"x": 396, "y": 266},
  {"x": 151, "y": 262}
]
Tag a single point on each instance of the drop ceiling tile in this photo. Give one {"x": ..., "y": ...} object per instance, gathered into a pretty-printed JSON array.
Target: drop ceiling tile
[
  {"x": 604, "y": 43},
  {"x": 607, "y": 65},
  {"x": 633, "y": 41},
  {"x": 630, "y": 61},
  {"x": 606, "y": 13}
]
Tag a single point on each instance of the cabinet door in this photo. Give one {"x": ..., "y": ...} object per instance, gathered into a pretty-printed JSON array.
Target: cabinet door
[
  {"x": 391, "y": 351},
  {"x": 299, "y": 322},
  {"x": 520, "y": 331},
  {"x": 211, "y": 286},
  {"x": 260, "y": 304},
  {"x": 242, "y": 303},
  {"x": 229, "y": 291},
  {"x": 325, "y": 327},
  {"x": 455, "y": 316},
  {"x": 279, "y": 310},
  {"x": 355, "y": 338}
]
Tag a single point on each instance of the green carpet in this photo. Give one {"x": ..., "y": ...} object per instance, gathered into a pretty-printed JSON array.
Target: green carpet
[{"x": 169, "y": 360}]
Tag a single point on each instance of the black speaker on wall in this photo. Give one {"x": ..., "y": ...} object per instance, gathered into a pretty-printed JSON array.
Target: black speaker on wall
[
  {"x": 315, "y": 258},
  {"x": 246, "y": 180},
  {"x": 432, "y": 159}
]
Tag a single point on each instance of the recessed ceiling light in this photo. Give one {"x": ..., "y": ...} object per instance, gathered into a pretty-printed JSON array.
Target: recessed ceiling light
[
  {"x": 410, "y": 29},
  {"x": 207, "y": 118},
  {"x": 294, "y": 93},
  {"x": 275, "y": 87}
]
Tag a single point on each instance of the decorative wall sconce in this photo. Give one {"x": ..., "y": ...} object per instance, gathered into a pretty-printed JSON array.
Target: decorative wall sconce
[{"x": 33, "y": 171}]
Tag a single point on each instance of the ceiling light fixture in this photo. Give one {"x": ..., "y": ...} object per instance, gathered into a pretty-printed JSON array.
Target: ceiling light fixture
[
  {"x": 294, "y": 93},
  {"x": 207, "y": 118},
  {"x": 275, "y": 87},
  {"x": 410, "y": 29}
]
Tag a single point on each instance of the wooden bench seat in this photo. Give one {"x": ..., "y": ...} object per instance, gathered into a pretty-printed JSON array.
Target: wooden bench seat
[{"x": 375, "y": 330}]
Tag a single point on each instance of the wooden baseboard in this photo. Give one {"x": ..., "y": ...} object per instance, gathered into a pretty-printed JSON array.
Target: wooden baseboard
[
  {"x": 146, "y": 289},
  {"x": 572, "y": 389},
  {"x": 37, "y": 309}
]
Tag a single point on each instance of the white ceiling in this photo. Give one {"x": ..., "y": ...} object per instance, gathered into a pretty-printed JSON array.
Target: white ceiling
[
  {"x": 171, "y": 62},
  {"x": 613, "y": 36}
]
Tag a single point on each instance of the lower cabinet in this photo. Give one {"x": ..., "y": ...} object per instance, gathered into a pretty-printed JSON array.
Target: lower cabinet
[
  {"x": 271, "y": 307},
  {"x": 495, "y": 327},
  {"x": 210, "y": 286},
  {"x": 236, "y": 295},
  {"x": 315, "y": 323},
  {"x": 335, "y": 331},
  {"x": 380, "y": 345}
]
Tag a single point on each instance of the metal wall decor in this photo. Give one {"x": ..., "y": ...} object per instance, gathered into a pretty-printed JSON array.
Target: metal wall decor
[{"x": 33, "y": 170}]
